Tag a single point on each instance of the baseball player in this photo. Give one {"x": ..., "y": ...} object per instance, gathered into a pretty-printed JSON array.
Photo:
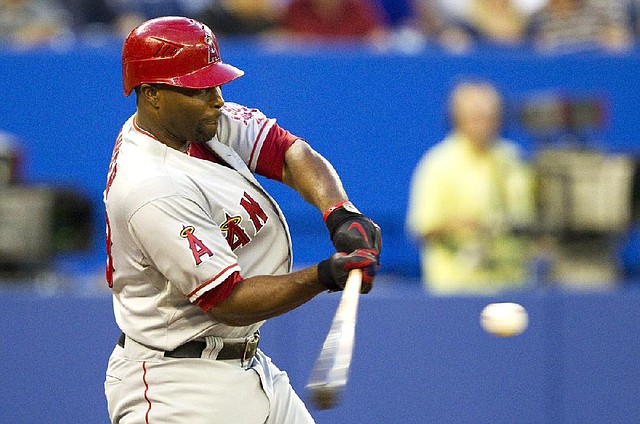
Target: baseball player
[{"x": 198, "y": 254}]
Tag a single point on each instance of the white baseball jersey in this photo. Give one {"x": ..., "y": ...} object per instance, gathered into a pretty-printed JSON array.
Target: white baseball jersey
[{"x": 178, "y": 226}]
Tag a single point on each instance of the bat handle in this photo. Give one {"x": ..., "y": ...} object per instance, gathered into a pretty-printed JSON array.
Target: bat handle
[
  {"x": 349, "y": 302},
  {"x": 354, "y": 281}
]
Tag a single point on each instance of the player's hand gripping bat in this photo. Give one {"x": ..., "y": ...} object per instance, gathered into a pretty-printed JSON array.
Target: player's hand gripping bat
[{"x": 330, "y": 372}]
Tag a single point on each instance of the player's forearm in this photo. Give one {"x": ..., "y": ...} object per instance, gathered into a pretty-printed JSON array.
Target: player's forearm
[
  {"x": 311, "y": 175},
  {"x": 267, "y": 296}
]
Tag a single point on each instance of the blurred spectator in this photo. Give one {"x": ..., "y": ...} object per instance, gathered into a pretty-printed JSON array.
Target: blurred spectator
[
  {"x": 95, "y": 16},
  {"x": 460, "y": 9},
  {"x": 131, "y": 13},
  {"x": 497, "y": 21},
  {"x": 241, "y": 17},
  {"x": 435, "y": 23},
  {"x": 397, "y": 12},
  {"x": 569, "y": 25},
  {"x": 470, "y": 195},
  {"x": 29, "y": 23},
  {"x": 429, "y": 18},
  {"x": 462, "y": 24},
  {"x": 335, "y": 20}
]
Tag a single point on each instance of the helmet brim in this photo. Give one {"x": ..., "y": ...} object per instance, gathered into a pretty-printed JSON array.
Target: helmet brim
[{"x": 213, "y": 75}]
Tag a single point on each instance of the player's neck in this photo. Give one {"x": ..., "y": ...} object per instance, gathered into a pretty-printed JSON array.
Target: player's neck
[{"x": 150, "y": 127}]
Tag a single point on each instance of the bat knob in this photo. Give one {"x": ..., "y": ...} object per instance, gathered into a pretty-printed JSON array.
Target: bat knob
[{"x": 324, "y": 397}]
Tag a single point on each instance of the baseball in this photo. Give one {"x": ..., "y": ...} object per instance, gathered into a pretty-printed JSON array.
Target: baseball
[{"x": 504, "y": 319}]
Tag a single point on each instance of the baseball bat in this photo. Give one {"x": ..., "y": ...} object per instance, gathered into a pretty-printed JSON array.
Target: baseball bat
[{"x": 331, "y": 369}]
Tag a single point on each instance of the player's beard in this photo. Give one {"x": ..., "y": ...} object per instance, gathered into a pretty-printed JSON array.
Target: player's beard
[{"x": 204, "y": 132}]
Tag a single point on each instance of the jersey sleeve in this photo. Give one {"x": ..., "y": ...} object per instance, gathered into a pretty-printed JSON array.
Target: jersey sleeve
[
  {"x": 183, "y": 243},
  {"x": 258, "y": 140}
]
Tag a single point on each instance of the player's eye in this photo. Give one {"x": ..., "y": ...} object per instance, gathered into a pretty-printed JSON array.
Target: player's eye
[
  {"x": 201, "y": 93},
  {"x": 192, "y": 92},
  {"x": 189, "y": 92}
]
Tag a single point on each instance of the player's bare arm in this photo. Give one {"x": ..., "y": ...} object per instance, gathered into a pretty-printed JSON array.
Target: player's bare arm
[
  {"x": 266, "y": 296},
  {"x": 311, "y": 175}
]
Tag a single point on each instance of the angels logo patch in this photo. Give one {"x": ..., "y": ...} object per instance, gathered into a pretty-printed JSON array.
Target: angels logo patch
[
  {"x": 233, "y": 226},
  {"x": 198, "y": 248},
  {"x": 214, "y": 56},
  {"x": 233, "y": 231}
]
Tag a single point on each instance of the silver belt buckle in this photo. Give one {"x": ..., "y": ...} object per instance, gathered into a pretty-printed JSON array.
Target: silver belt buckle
[{"x": 250, "y": 347}]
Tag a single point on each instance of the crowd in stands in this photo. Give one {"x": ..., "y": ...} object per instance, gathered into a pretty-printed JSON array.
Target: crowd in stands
[{"x": 457, "y": 25}]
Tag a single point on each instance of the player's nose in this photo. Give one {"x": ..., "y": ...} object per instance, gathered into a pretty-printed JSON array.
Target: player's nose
[{"x": 215, "y": 97}]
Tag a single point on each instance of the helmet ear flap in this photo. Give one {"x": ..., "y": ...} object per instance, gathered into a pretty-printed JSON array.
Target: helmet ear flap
[{"x": 175, "y": 51}]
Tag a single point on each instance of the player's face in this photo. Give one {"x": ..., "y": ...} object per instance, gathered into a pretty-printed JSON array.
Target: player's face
[{"x": 191, "y": 114}]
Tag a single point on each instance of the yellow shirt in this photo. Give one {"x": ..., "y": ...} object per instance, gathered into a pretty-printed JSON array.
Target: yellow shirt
[{"x": 475, "y": 199}]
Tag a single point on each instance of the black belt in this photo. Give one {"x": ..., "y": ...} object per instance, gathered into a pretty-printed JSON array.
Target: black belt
[{"x": 234, "y": 350}]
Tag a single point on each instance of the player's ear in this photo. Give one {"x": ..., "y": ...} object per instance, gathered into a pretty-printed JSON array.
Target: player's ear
[{"x": 148, "y": 93}]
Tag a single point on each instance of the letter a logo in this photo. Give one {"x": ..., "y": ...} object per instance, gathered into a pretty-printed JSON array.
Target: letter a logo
[{"x": 198, "y": 248}]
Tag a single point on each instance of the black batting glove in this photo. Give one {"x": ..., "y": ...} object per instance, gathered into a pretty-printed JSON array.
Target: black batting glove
[
  {"x": 333, "y": 272},
  {"x": 350, "y": 230}
]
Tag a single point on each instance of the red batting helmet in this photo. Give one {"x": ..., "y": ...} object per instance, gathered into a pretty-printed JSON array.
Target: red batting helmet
[{"x": 175, "y": 51}]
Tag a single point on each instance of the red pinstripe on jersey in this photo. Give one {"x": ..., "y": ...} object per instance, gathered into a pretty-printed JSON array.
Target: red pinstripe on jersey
[
  {"x": 257, "y": 141},
  {"x": 198, "y": 291},
  {"x": 111, "y": 176},
  {"x": 146, "y": 391}
]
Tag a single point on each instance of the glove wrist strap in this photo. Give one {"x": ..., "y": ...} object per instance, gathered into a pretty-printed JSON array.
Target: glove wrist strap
[
  {"x": 345, "y": 204},
  {"x": 337, "y": 214}
]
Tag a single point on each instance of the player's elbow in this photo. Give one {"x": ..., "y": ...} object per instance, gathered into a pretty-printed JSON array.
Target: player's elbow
[{"x": 232, "y": 319}]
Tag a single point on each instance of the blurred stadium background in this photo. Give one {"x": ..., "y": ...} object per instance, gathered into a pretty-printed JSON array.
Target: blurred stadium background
[{"x": 418, "y": 358}]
